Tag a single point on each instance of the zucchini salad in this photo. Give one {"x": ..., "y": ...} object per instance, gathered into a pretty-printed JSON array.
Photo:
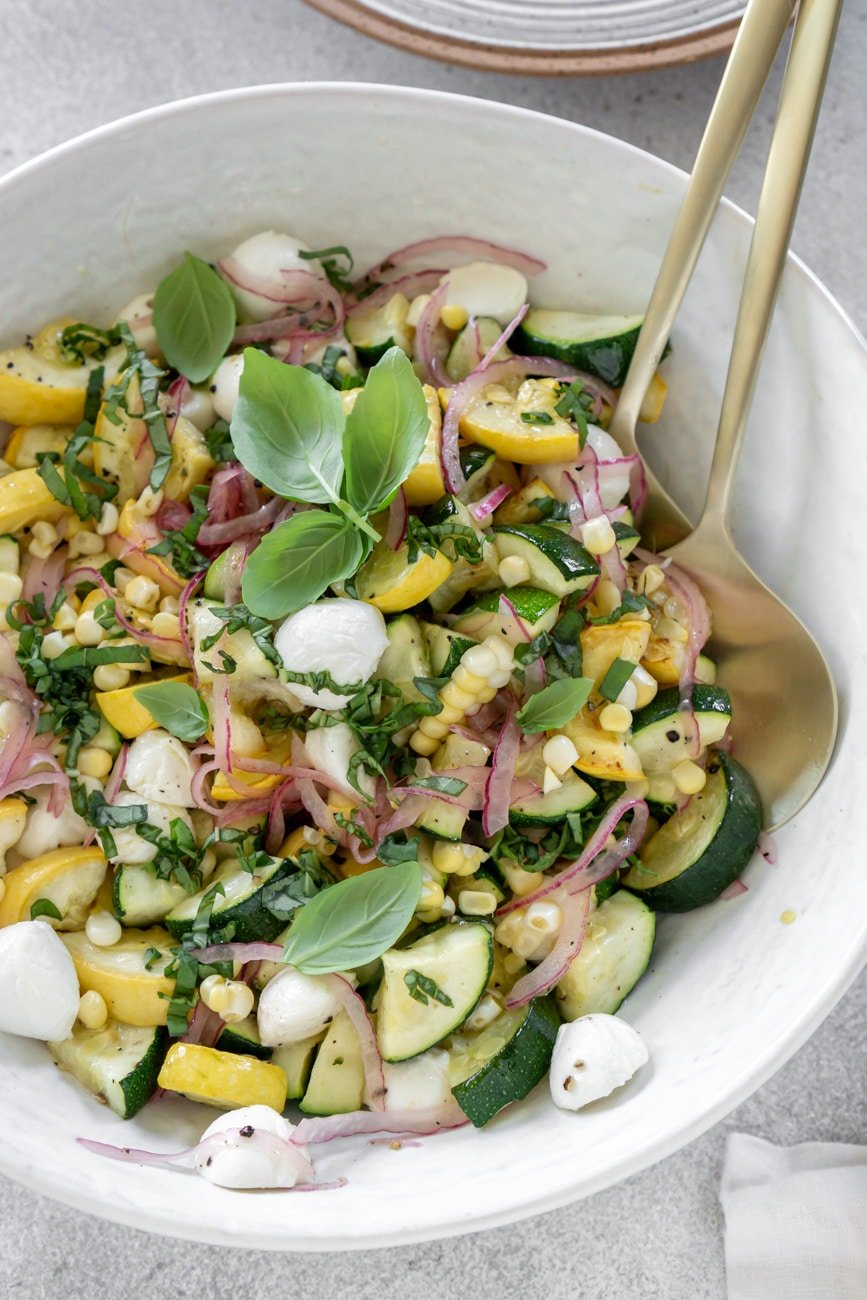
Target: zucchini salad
[{"x": 350, "y": 742}]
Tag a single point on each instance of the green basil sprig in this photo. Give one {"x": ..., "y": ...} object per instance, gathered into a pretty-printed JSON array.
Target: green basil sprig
[
  {"x": 175, "y": 706},
  {"x": 555, "y": 705},
  {"x": 355, "y": 921},
  {"x": 298, "y": 561},
  {"x": 194, "y": 318},
  {"x": 289, "y": 430}
]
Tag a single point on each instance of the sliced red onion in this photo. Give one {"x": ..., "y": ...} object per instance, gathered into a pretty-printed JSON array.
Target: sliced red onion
[
  {"x": 767, "y": 846},
  {"x": 482, "y": 510},
  {"x": 296, "y": 287},
  {"x": 205, "y": 1026},
  {"x": 410, "y": 286},
  {"x": 221, "y": 723},
  {"x": 173, "y": 515},
  {"x": 576, "y": 909},
  {"x": 353, "y": 1004},
  {"x": 596, "y": 861},
  {"x": 466, "y": 245},
  {"x": 249, "y": 525},
  {"x": 504, "y": 337},
  {"x": 184, "y": 620},
  {"x": 427, "y": 340},
  {"x": 734, "y": 890},
  {"x": 313, "y": 1131},
  {"x": 498, "y": 788},
  {"x": 281, "y": 327},
  {"x": 178, "y": 392},
  {"x": 242, "y": 952},
  {"x": 319, "y": 812},
  {"x": 398, "y": 516},
  {"x": 44, "y": 576},
  {"x": 193, "y": 1157},
  {"x": 535, "y": 676},
  {"x": 689, "y": 595}
]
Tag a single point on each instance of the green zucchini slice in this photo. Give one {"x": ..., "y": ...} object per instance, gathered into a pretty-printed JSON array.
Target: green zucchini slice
[
  {"x": 119, "y": 1063},
  {"x": 613, "y": 957},
  {"x": 548, "y": 809},
  {"x": 702, "y": 849},
  {"x": 661, "y": 732},
  {"x": 458, "y": 958},
  {"x": 556, "y": 561},
  {"x": 243, "y": 902},
  {"x": 601, "y": 344},
  {"x": 505, "y": 1061}
]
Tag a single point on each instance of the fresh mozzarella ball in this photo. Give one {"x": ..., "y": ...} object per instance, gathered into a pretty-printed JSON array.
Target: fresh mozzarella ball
[
  {"x": 418, "y": 1084},
  {"x": 198, "y": 408},
  {"x": 239, "y": 1162},
  {"x": 45, "y": 832},
  {"x": 158, "y": 766},
  {"x": 486, "y": 289},
  {"x": 263, "y": 257},
  {"x": 131, "y": 848},
  {"x": 294, "y": 1006},
  {"x": 593, "y": 1056},
  {"x": 329, "y": 750},
  {"x": 225, "y": 382},
  {"x": 345, "y": 638},
  {"x": 38, "y": 985},
  {"x": 138, "y": 315}
]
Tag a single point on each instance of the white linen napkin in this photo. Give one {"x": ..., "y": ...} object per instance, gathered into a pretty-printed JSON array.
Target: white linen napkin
[{"x": 796, "y": 1220}]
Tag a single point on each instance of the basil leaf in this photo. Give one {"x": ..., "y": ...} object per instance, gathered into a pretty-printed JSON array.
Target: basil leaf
[
  {"x": 441, "y": 784},
  {"x": 354, "y": 921},
  {"x": 175, "y": 706},
  {"x": 555, "y": 705},
  {"x": 287, "y": 429},
  {"x": 385, "y": 432},
  {"x": 194, "y": 317},
  {"x": 616, "y": 678},
  {"x": 294, "y": 564},
  {"x": 44, "y": 907}
]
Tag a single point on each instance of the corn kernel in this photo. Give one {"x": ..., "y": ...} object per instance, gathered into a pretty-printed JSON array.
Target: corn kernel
[
  {"x": 454, "y": 316},
  {"x": 628, "y": 696},
  {"x": 452, "y": 695},
  {"x": 646, "y": 686},
  {"x": 423, "y": 744},
  {"x": 519, "y": 881},
  {"x": 64, "y": 619},
  {"x": 165, "y": 624},
  {"x": 651, "y": 579},
  {"x": 121, "y": 577},
  {"x": 689, "y": 777},
  {"x": 84, "y": 543},
  {"x": 432, "y": 727},
  {"x": 466, "y": 681},
  {"x": 416, "y": 307},
  {"x": 671, "y": 631},
  {"x": 212, "y": 991},
  {"x": 513, "y": 570},
  {"x": 560, "y": 754},
  {"x": 149, "y": 502},
  {"x": 108, "y": 520},
  {"x": 11, "y": 586},
  {"x": 448, "y": 714},
  {"x": 103, "y": 929},
  {"x": 54, "y": 644},
  {"x": 169, "y": 605},
  {"x": 606, "y": 597},
  {"x": 485, "y": 1013},
  {"x": 479, "y": 660},
  {"x": 94, "y": 762},
  {"x": 431, "y": 897},
  {"x": 238, "y": 1002},
  {"x": 598, "y": 535},
  {"x": 502, "y": 651},
  {"x": 550, "y": 781},
  {"x": 110, "y": 677},
  {"x": 92, "y": 1010},
  {"x": 45, "y": 533},
  {"x": 615, "y": 717},
  {"x": 142, "y": 592},
  {"x": 87, "y": 631},
  {"x": 477, "y": 902}
]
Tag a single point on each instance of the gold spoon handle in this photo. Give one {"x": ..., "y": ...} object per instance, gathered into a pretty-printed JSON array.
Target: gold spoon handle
[
  {"x": 761, "y": 32},
  {"x": 800, "y": 100}
]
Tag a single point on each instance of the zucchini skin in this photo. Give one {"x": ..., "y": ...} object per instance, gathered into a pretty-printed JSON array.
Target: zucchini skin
[
  {"x": 516, "y": 1069},
  {"x": 608, "y": 358},
  {"x": 705, "y": 699},
  {"x": 727, "y": 854}
]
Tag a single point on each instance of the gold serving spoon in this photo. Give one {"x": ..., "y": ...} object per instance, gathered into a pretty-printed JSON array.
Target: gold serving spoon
[
  {"x": 786, "y": 702},
  {"x": 759, "y": 37}
]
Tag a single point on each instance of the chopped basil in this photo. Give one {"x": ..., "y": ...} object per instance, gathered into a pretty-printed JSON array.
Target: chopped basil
[
  {"x": 44, "y": 907},
  {"x": 616, "y": 678},
  {"x": 423, "y": 988}
]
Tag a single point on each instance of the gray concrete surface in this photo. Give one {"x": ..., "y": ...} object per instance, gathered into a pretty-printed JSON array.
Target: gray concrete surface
[{"x": 65, "y": 67}]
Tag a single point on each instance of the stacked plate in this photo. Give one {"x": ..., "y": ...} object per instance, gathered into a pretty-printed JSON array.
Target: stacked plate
[{"x": 548, "y": 36}]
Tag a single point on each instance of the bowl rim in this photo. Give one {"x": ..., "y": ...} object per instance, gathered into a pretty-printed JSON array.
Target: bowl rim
[{"x": 778, "y": 1050}]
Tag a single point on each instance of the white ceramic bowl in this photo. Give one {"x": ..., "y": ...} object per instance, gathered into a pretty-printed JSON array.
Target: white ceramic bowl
[{"x": 732, "y": 992}]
